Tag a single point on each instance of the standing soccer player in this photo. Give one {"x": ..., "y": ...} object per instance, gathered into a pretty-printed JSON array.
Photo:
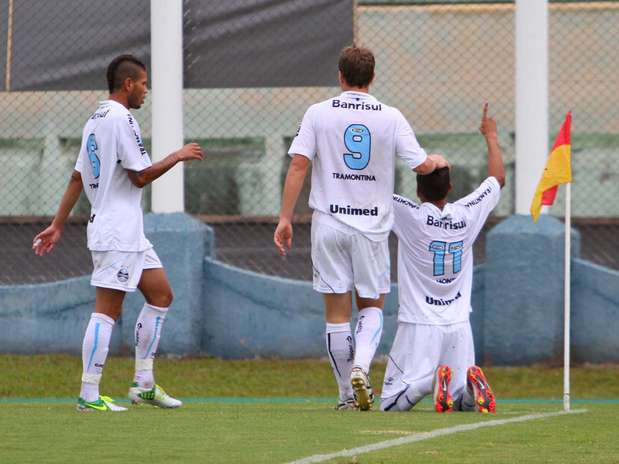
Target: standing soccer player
[
  {"x": 351, "y": 140},
  {"x": 434, "y": 342},
  {"x": 112, "y": 167}
]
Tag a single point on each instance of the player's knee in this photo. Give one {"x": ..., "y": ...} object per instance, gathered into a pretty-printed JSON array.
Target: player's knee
[
  {"x": 162, "y": 299},
  {"x": 168, "y": 298},
  {"x": 392, "y": 404},
  {"x": 395, "y": 407}
]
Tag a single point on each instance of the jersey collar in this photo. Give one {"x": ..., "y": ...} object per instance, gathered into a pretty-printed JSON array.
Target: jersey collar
[
  {"x": 357, "y": 96},
  {"x": 445, "y": 212},
  {"x": 113, "y": 103}
]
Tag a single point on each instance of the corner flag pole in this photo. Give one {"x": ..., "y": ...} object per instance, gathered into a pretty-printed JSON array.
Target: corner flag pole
[{"x": 566, "y": 297}]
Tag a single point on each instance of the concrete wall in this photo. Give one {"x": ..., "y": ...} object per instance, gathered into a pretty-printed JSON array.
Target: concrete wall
[
  {"x": 524, "y": 290},
  {"x": 233, "y": 313},
  {"x": 595, "y": 313},
  {"x": 249, "y": 314},
  {"x": 52, "y": 317}
]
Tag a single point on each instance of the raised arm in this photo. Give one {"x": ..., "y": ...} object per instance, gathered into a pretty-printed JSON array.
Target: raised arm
[
  {"x": 292, "y": 187},
  {"x": 45, "y": 241},
  {"x": 488, "y": 129},
  {"x": 191, "y": 151}
]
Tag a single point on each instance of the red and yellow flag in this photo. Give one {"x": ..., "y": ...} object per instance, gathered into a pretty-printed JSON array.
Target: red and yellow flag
[{"x": 558, "y": 170}]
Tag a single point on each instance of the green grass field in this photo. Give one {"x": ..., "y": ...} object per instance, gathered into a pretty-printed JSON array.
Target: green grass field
[{"x": 272, "y": 411}]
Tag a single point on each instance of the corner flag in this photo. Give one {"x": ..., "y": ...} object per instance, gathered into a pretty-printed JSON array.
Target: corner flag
[{"x": 558, "y": 170}]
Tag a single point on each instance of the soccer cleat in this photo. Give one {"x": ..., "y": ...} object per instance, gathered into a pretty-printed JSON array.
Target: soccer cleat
[
  {"x": 443, "y": 402},
  {"x": 348, "y": 405},
  {"x": 364, "y": 397},
  {"x": 155, "y": 396},
  {"x": 104, "y": 403},
  {"x": 478, "y": 386}
]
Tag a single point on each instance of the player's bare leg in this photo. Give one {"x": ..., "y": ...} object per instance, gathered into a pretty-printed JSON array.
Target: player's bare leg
[
  {"x": 95, "y": 347},
  {"x": 156, "y": 289},
  {"x": 338, "y": 307},
  {"x": 340, "y": 344},
  {"x": 367, "y": 337},
  {"x": 109, "y": 301}
]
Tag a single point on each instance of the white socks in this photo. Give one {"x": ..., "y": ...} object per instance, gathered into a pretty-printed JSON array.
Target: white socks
[
  {"x": 344, "y": 353},
  {"x": 94, "y": 352},
  {"x": 97, "y": 342},
  {"x": 367, "y": 337},
  {"x": 341, "y": 351},
  {"x": 147, "y": 333}
]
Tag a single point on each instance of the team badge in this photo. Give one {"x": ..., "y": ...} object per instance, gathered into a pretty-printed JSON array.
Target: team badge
[{"x": 123, "y": 275}]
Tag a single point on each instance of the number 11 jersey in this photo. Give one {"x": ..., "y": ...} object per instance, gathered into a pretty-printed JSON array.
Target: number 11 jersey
[
  {"x": 352, "y": 140},
  {"x": 435, "y": 255}
]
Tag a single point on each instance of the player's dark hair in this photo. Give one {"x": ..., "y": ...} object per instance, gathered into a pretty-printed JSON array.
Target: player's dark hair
[
  {"x": 434, "y": 186},
  {"x": 121, "y": 68},
  {"x": 357, "y": 66}
]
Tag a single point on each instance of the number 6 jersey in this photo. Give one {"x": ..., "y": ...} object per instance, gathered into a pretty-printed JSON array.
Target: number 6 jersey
[
  {"x": 435, "y": 255},
  {"x": 352, "y": 141},
  {"x": 112, "y": 144}
]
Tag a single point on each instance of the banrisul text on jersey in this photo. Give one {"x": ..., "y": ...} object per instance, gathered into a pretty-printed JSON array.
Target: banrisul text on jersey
[{"x": 335, "y": 103}]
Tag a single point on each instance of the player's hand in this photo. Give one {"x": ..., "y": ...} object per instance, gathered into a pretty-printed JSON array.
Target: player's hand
[
  {"x": 488, "y": 124},
  {"x": 439, "y": 161},
  {"x": 283, "y": 236},
  {"x": 45, "y": 241},
  {"x": 191, "y": 151}
]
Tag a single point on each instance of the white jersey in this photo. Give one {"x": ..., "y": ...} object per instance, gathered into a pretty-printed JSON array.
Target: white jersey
[
  {"x": 435, "y": 255},
  {"x": 352, "y": 141},
  {"x": 112, "y": 144}
]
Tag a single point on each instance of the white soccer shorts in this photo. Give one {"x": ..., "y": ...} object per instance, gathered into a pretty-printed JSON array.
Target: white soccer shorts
[
  {"x": 418, "y": 349},
  {"x": 121, "y": 270},
  {"x": 343, "y": 261}
]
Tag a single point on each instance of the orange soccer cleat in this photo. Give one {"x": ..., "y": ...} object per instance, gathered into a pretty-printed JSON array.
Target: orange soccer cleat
[
  {"x": 443, "y": 402},
  {"x": 478, "y": 386}
]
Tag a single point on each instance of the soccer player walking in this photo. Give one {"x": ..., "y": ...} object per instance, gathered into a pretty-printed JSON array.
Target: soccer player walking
[
  {"x": 351, "y": 141},
  {"x": 433, "y": 347},
  {"x": 112, "y": 167}
]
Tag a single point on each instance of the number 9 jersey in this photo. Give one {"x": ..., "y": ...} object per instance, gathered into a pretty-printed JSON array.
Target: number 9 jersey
[
  {"x": 352, "y": 141},
  {"x": 435, "y": 255}
]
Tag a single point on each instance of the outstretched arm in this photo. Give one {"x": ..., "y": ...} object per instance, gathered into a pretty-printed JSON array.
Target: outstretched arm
[
  {"x": 191, "y": 151},
  {"x": 488, "y": 129},
  {"x": 294, "y": 183},
  {"x": 45, "y": 241}
]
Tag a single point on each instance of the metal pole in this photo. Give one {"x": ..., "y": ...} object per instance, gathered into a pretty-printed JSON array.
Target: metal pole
[
  {"x": 566, "y": 297},
  {"x": 9, "y": 47},
  {"x": 531, "y": 98},
  {"x": 167, "y": 100}
]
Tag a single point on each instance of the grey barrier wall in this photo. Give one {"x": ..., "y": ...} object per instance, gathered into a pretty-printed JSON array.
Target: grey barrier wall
[
  {"x": 52, "y": 317},
  {"x": 232, "y": 313},
  {"x": 595, "y": 333},
  {"x": 249, "y": 314},
  {"x": 524, "y": 290}
]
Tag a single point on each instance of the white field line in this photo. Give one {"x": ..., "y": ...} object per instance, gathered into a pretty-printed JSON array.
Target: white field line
[{"x": 415, "y": 437}]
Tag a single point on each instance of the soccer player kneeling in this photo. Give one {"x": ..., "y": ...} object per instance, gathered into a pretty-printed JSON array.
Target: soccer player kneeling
[{"x": 433, "y": 348}]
